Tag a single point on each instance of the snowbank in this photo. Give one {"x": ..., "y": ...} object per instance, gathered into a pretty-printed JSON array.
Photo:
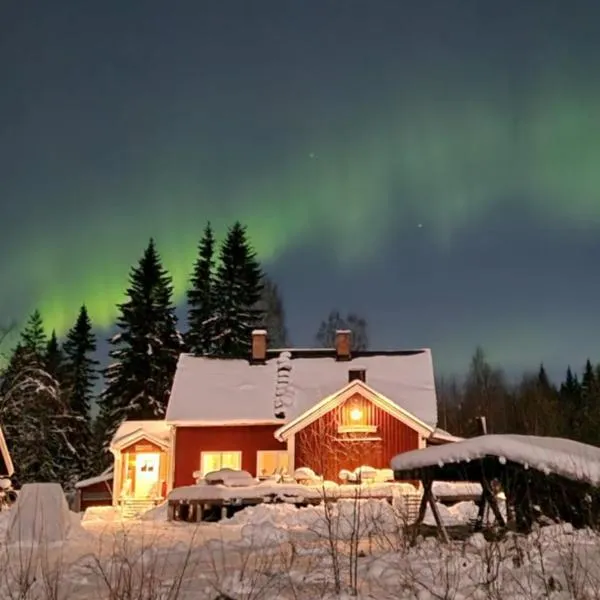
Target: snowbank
[
  {"x": 570, "y": 459},
  {"x": 158, "y": 513},
  {"x": 41, "y": 515},
  {"x": 105, "y": 514}
]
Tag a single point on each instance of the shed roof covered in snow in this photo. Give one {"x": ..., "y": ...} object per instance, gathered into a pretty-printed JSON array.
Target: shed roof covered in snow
[
  {"x": 218, "y": 391},
  {"x": 566, "y": 458}
]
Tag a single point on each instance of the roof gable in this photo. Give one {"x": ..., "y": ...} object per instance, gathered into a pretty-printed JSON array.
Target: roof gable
[
  {"x": 213, "y": 391},
  {"x": 129, "y": 432},
  {"x": 346, "y": 393}
]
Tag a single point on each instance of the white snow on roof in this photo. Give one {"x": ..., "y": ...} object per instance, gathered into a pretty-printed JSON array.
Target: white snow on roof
[
  {"x": 106, "y": 475},
  {"x": 226, "y": 391},
  {"x": 550, "y": 455},
  {"x": 444, "y": 436},
  {"x": 156, "y": 429}
]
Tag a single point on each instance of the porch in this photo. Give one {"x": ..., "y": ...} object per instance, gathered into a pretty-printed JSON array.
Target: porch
[{"x": 141, "y": 470}]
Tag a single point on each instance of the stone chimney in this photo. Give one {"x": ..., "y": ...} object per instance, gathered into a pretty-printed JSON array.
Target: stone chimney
[
  {"x": 342, "y": 344},
  {"x": 358, "y": 373},
  {"x": 259, "y": 346}
]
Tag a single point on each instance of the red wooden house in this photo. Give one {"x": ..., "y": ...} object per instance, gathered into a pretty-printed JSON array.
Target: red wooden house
[{"x": 326, "y": 409}]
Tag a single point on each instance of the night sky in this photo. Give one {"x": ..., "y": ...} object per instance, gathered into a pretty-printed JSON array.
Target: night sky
[{"x": 432, "y": 165}]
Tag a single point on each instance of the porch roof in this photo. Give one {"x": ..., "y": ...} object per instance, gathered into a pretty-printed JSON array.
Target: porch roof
[{"x": 131, "y": 431}]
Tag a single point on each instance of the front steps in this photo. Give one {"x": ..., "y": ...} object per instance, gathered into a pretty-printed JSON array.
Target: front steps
[{"x": 132, "y": 508}]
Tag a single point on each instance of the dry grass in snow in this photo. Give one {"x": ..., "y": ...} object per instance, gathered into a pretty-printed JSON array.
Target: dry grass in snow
[{"x": 346, "y": 549}]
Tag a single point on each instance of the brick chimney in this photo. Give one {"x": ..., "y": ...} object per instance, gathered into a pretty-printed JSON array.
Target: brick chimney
[
  {"x": 259, "y": 346},
  {"x": 342, "y": 344}
]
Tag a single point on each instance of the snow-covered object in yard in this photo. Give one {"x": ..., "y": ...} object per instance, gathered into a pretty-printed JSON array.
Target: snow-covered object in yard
[
  {"x": 130, "y": 432},
  {"x": 367, "y": 473},
  {"x": 231, "y": 478},
  {"x": 306, "y": 474},
  {"x": 292, "y": 492},
  {"x": 573, "y": 460},
  {"x": 455, "y": 489},
  {"x": 105, "y": 476},
  {"x": 41, "y": 515},
  {"x": 213, "y": 391}
]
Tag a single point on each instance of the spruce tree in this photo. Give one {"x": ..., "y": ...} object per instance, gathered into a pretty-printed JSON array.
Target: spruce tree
[
  {"x": 54, "y": 358},
  {"x": 35, "y": 419},
  {"x": 200, "y": 336},
  {"x": 238, "y": 288},
  {"x": 79, "y": 379},
  {"x": 570, "y": 396},
  {"x": 145, "y": 351}
]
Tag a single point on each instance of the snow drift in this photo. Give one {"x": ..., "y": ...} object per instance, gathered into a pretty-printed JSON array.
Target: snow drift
[{"x": 40, "y": 515}]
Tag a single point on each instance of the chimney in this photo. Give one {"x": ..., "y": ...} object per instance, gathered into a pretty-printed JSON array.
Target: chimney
[
  {"x": 259, "y": 346},
  {"x": 342, "y": 344},
  {"x": 360, "y": 374}
]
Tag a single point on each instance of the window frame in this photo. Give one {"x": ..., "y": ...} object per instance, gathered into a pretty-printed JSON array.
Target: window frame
[
  {"x": 220, "y": 453},
  {"x": 261, "y": 453}
]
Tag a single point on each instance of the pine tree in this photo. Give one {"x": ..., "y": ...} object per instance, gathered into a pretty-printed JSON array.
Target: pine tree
[
  {"x": 80, "y": 377},
  {"x": 54, "y": 358},
  {"x": 271, "y": 306},
  {"x": 200, "y": 336},
  {"x": 570, "y": 396},
  {"x": 145, "y": 351},
  {"x": 238, "y": 288},
  {"x": 36, "y": 422},
  {"x": 33, "y": 337}
]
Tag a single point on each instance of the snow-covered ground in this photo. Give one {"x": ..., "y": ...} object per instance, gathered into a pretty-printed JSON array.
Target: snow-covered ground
[{"x": 281, "y": 552}]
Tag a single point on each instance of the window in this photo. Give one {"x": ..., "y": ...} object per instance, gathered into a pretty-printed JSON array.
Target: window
[
  {"x": 271, "y": 461},
  {"x": 215, "y": 461}
]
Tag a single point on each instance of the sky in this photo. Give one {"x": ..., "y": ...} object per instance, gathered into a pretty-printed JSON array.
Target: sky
[{"x": 432, "y": 165}]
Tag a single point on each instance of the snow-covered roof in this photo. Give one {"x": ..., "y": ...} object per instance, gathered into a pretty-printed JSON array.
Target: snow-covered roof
[
  {"x": 130, "y": 431},
  {"x": 230, "y": 391},
  {"x": 442, "y": 435},
  {"x": 106, "y": 475},
  {"x": 550, "y": 455}
]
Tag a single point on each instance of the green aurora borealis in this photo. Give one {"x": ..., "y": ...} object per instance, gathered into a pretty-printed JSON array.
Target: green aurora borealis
[
  {"x": 317, "y": 147},
  {"x": 440, "y": 164}
]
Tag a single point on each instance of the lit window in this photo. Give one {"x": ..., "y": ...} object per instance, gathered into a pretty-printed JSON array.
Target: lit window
[
  {"x": 215, "y": 461},
  {"x": 269, "y": 462}
]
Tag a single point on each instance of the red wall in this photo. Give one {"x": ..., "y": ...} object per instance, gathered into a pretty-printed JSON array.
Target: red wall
[
  {"x": 97, "y": 494},
  {"x": 248, "y": 439},
  {"x": 320, "y": 447}
]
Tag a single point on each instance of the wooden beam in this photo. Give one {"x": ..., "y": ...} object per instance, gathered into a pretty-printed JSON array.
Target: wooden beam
[
  {"x": 438, "y": 518},
  {"x": 427, "y": 483}
]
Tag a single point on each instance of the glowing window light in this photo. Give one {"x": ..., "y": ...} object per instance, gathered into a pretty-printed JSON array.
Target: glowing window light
[{"x": 356, "y": 414}]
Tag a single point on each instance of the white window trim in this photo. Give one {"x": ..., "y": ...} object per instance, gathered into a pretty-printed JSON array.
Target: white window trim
[{"x": 238, "y": 453}]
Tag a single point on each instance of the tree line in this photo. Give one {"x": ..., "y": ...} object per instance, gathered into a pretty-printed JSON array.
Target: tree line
[
  {"x": 48, "y": 389},
  {"x": 532, "y": 405}
]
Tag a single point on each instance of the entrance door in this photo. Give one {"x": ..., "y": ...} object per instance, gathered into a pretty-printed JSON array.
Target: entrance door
[{"x": 146, "y": 474}]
